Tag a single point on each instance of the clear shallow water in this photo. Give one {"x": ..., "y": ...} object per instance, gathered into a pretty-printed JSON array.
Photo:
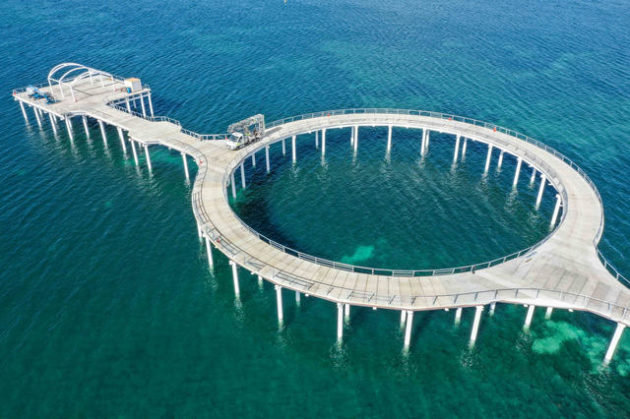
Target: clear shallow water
[{"x": 106, "y": 304}]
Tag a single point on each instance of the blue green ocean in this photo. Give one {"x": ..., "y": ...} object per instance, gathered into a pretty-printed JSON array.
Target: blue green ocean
[{"x": 107, "y": 305}]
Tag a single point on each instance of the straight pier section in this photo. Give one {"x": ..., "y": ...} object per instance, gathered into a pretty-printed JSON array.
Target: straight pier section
[{"x": 563, "y": 271}]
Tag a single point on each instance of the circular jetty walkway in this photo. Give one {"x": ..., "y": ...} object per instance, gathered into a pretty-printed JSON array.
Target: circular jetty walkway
[{"x": 564, "y": 271}]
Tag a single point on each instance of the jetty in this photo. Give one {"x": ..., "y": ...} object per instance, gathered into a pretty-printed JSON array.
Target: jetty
[{"x": 563, "y": 271}]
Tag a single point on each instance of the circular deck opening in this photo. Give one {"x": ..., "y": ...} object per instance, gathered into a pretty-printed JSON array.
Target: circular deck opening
[{"x": 401, "y": 211}]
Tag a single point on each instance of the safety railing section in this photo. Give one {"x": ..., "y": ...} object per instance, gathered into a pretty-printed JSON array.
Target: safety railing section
[
  {"x": 203, "y": 137},
  {"x": 488, "y": 125},
  {"x": 612, "y": 269}
]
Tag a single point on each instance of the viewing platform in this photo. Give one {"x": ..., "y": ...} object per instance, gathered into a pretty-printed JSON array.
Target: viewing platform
[{"x": 564, "y": 271}]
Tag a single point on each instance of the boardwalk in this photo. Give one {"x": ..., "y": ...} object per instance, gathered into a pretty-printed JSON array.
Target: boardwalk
[{"x": 563, "y": 271}]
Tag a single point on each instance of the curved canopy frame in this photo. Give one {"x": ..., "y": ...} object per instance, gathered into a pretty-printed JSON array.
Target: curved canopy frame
[{"x": 70, "y": 73}]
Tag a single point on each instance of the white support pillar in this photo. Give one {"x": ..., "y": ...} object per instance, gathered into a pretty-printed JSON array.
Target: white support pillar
[
  {"x": 260, "y": 282},
  {"x": 519, "y": 163},
  {"x": 533, "y": 177},
  {"x": 85, "y": 125},
  {"x": 541, "y": 190},
  {"x": 556, "y": 211},
  {"x": 488, "y": 158},
  {"x": 37, "y": 117},
  {"x": 144, "y": 109},
  {"x": 613, "y": 343},
  {"x": 423, "y": 144},
  {"x": 458, "y": 316},
  {"x": 356, "y": 138},
  {"x": 346, "y": 313},
  {"x": 529, "y": 317},
  {"x": 293, "y": 150},
  {"x": 209, "y": 252},
  {"x": 456, "y": 152},
  {"x": 102, "y": 127},
  {"x": 389, "y": 141},
  {"x": 339, "y": 322},
  {"x": 324, "y": 142},
  {"x": 492, "y": 307},
  {"x": 500, "y": 163},
  {"x": 185, "y": 160},
  {"x": 279, "y": 303},
  {"x": 548, "y": 313},
  {"x": 122, "y": 139},
  {"x": 237, "y": 289},
  {"x": 24, "y": 114},
  {"x": 403, "y": 317},
  {"x": 284, "y": 147},
  {"x": 297, "y": 298},
  {"x": 233, "y": 185},
  {"x": 146, "y": 152},
  {"x": 150, "y": 103},
  {"x": 69, "y": 128},
  {"x": 53, "y": 124},
  {"x": 267, "y": 163},
  {"x": 475, "y": 327},
  {"x": 464, "y": 148},
  {"x": 243, "y": 182},
  {"x": 133, "y": 149},
  {"x": 317, "y": 139},
  {"x": 127, "y": 102},
  {"x": 408, "y": 327},
  {"x": 254, "y": 159}
]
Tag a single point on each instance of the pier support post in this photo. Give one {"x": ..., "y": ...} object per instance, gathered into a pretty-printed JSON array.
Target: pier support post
[
  {"x": 102, "y": 127},
  {"x": 293, "y": 150},
  {"x": 500, "y": 163},
  {"x": 297, "y": 298},
  {"x": 284, "y": 147},
  {"x": 541, "y": 190},
  {"x": 548, "y": 313},
  {"x": 69, "y": 128},
  {"x": 243, "y": 182},
  {"x": 279, "y": 303},
  {"x": 488, "y": 158},
  {"x": 458, "y": 316},
  {"x": 529, "y": 317},
  {"x": 209, "y": 252},
  {"x": 464, "y": 148},
  {"x": 317, "y": 139},
  {"x": 424, "y": 146},
  {"x": 323, "y": 142},
  {"x": 185, "y": 160},
  {"x": 260, "y": 282},
  {"x": 254, "y": 159},
  {"x": 233, "y": 185},
  {"x": 53, "y": 124},
  {"x": 128, "y": 106},
  {"x": 133, "y": 150},
  {"x": 356, "y": 138},
  {"x": 475, "y": 327},
  {"x": 519, "y": 163},
  {"x": 533, "y": 177},
  {"x": 122, "y": 140},
  {"x": 150, "y": 103},
  {"x": 556, "y": 211},
  {"x": 456, "y": 152},
  {"x": 237, "y": 289},
  {"x": 408, "y": 327},
  {"x": 613, "y": 343},
  {"x": 389, "y": 139},
  {"x": 24, "y": 114},
  {"x": 144, "y": 109},
  {"x": 267, "y": 163},
  {"x": 492, "y": 307},
  {"x": 403, "y": 317},
  {"x": 37, "y": 117},
  {"x": 346, "y": 313},
  {"x": 146, "y": 152},
  {"x": 85, "y": 126},
  {"x": 339, "y": 322}
]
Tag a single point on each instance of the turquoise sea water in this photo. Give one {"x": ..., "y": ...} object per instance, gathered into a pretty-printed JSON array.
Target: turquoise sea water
[{"x": 107, "y": 307}]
